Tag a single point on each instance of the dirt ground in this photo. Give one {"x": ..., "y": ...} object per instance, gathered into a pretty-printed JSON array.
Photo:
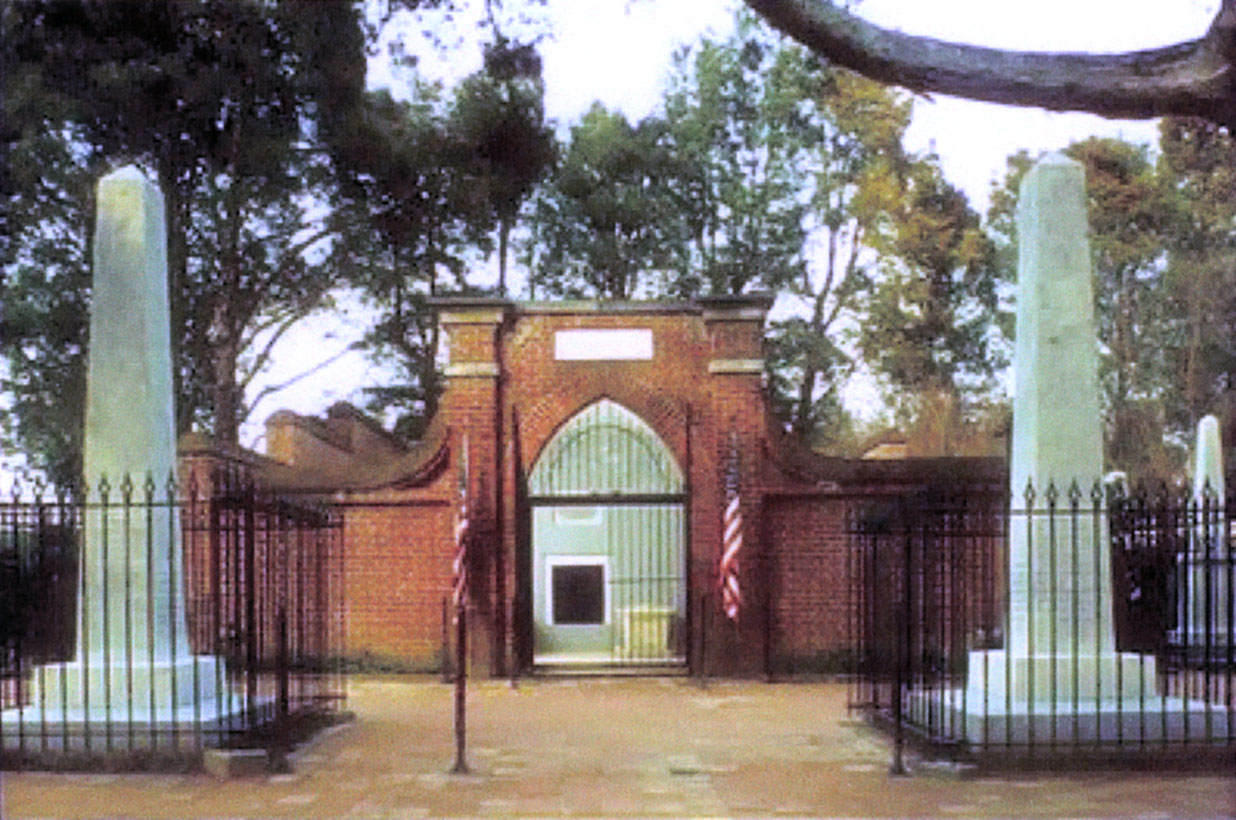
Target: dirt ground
[{"x": 656, "y": 747}]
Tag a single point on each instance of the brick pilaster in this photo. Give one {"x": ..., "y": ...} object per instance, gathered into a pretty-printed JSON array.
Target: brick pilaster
[
  {"x": 472, "y": 402},
  {"x": 736, "y": 413}
]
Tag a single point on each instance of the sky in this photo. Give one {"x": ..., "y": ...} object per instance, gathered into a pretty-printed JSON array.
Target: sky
[{"x": 620, "y": 51}]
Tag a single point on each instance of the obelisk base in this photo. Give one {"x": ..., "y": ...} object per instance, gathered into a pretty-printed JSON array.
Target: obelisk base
[
  {"x": 1043, "y": 679},
  {"x": 89, "y": 706},
  {"x": 1098, "y": 699}
]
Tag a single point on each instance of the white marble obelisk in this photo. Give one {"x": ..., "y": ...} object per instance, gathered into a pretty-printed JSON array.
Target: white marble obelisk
[
  {"x": 1202, "y": 613},
  {"x": 133, "y": 664},
  {"x": 130, "y": 432},
  {"x": 1060, "y": 652}
]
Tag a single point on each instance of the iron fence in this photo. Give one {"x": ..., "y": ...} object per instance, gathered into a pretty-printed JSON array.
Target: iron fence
[
  {"x": 144, "y": 623},
  {"x": 1073, "y": 620}
]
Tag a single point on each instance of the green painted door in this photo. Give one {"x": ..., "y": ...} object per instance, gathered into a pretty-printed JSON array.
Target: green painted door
[{"x": 608, "y": 530}]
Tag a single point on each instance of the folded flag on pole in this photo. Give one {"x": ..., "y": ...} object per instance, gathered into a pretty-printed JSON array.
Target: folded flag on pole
[
  {"x": 459, "y": 567},
  {"x": 731, "y": 538}
]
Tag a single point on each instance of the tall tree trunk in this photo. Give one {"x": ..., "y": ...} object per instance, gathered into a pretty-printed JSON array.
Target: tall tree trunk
[
  {"x": 802, "y": 424},
  {"x": 176, "y": 214},
  {"x": 226, "y": 399},
  {"x": 504, "y": 239},
  {"x": 225, "y": 330},
  {"x": 1193, "y": 356}
]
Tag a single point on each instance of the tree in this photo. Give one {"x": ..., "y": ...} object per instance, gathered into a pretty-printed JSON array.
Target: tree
[
  {"x": 1191, "y": 79},
  {"x": 257, "y": 263},
  {"x": 1130, "y": 209},
  {"x": 214, "y": 97},
  {"x": 417, "y": 207},
  {"x": 43, "y": 297},
  {"x": 788, "y": 169},
  {"x": 857, "y": 168},
  {"x": 928, "y": 319},
  {"x": 500, "y": 113},
  {"x": 601, "y": 226},
  {"x": 1198, "y": 163},
  {"x": 769, "y": 171},
  {"x": 741, "y": 150}
]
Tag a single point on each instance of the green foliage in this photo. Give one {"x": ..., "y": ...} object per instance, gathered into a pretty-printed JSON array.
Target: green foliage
[
  {"x": 221, "y": 100},
  {"x": 858, "y": 164},
  {"x": 1198, "y": 164},
  {"x": 799, "y": 357},
  {"x": 769, "y": 170},
  {"x": 929, "y": 316},
  {"x": 500, "y": 113},
  {"x": 44, "y": 295},
  {"x": 741, "y": 139},
  {"x": 602, "y": 225},
  {"x": 1129, "y": 209},
  {"x": 282, "y": 180},
  {"x": 416, "y": 208}
]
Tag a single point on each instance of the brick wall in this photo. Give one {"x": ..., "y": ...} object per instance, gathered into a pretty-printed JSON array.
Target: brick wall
[
  {"x": 398, "y": 574},
  {"x": 702, "y": 389},
  {"x": 809, "y": 580}
]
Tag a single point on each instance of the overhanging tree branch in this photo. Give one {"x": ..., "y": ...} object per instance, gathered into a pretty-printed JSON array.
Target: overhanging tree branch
[{"x": 1195, "y": 78}]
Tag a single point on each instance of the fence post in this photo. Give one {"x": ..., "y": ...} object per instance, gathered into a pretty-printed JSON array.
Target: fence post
[
  {"x": 703, "y": 626},
  {"x": 902, "y": 647},
  {"x": 277, "y": 751},
  {"x": 448, "y": 671},
  {"x": 250, "y": 603}
]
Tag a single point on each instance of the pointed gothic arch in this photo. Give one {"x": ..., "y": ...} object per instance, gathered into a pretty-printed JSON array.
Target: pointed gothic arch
[{"x": 605, "y": 449}]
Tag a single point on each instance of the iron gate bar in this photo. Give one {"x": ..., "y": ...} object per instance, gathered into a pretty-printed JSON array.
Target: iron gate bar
[
  {"x": 608, "y": 500},
  {"x": 217, "y": 545},
  {"x": 949, "y": 563}
]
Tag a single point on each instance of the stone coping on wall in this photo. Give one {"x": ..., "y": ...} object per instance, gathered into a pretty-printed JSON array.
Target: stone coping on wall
[
  {"x": 417, "y": 466},
  {"x": 802, "y": 469},
  {"x": 750, "y": 305}
]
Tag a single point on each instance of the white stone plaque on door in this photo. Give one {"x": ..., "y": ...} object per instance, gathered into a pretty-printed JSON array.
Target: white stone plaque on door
[{"x": 603, "y": 345}]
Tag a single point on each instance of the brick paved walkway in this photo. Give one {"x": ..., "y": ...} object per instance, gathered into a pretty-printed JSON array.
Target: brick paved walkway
[{"x": 612, "y": 748}]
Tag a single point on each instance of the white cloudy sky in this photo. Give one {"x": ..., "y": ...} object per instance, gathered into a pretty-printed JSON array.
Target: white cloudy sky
[{"x": 618, "y": 51}]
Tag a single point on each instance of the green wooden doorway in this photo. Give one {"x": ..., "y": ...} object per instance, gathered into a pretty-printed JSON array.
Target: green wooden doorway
[{"x": 608, "y": 544}]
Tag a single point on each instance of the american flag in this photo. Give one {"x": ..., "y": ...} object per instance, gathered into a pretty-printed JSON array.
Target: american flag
[
  {"x": 731, "y": 539},
  {"x": 459, "y": 567}
]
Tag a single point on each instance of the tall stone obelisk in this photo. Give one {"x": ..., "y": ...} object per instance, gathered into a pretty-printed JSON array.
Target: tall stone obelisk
[
  {"x": 1060, "y": 651},
  {"x": 1057, "y": 426},
  {"x": 133, "y": 666},
  {"x": 130, "y": 431}
]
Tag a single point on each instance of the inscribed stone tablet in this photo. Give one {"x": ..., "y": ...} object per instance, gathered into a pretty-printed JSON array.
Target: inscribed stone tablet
[{"x": 603, "y": 345}]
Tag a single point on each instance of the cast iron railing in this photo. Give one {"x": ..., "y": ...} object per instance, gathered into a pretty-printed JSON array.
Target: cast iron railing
[
  {"x": 934, "y": 650},
  {"x": 255, "y": 586}
]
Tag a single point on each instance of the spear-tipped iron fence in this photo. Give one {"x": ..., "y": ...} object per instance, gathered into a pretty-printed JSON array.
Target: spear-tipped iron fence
[
  {"x": 981, "y": 626},
  {"x": 112, "y": 647}
]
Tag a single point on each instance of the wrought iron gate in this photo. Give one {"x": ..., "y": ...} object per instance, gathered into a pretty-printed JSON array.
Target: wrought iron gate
[{"x": 608, "y": 568}]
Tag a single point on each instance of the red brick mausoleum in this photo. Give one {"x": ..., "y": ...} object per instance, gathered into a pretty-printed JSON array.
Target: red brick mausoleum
[{"x": 599, "y": 440}]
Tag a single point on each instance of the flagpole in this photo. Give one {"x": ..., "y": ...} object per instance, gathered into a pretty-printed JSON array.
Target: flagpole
[
  {"x": 460, "y": 592},
  {"x": 728, "y": 581},
  {"x": 461, "y": 699}
]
